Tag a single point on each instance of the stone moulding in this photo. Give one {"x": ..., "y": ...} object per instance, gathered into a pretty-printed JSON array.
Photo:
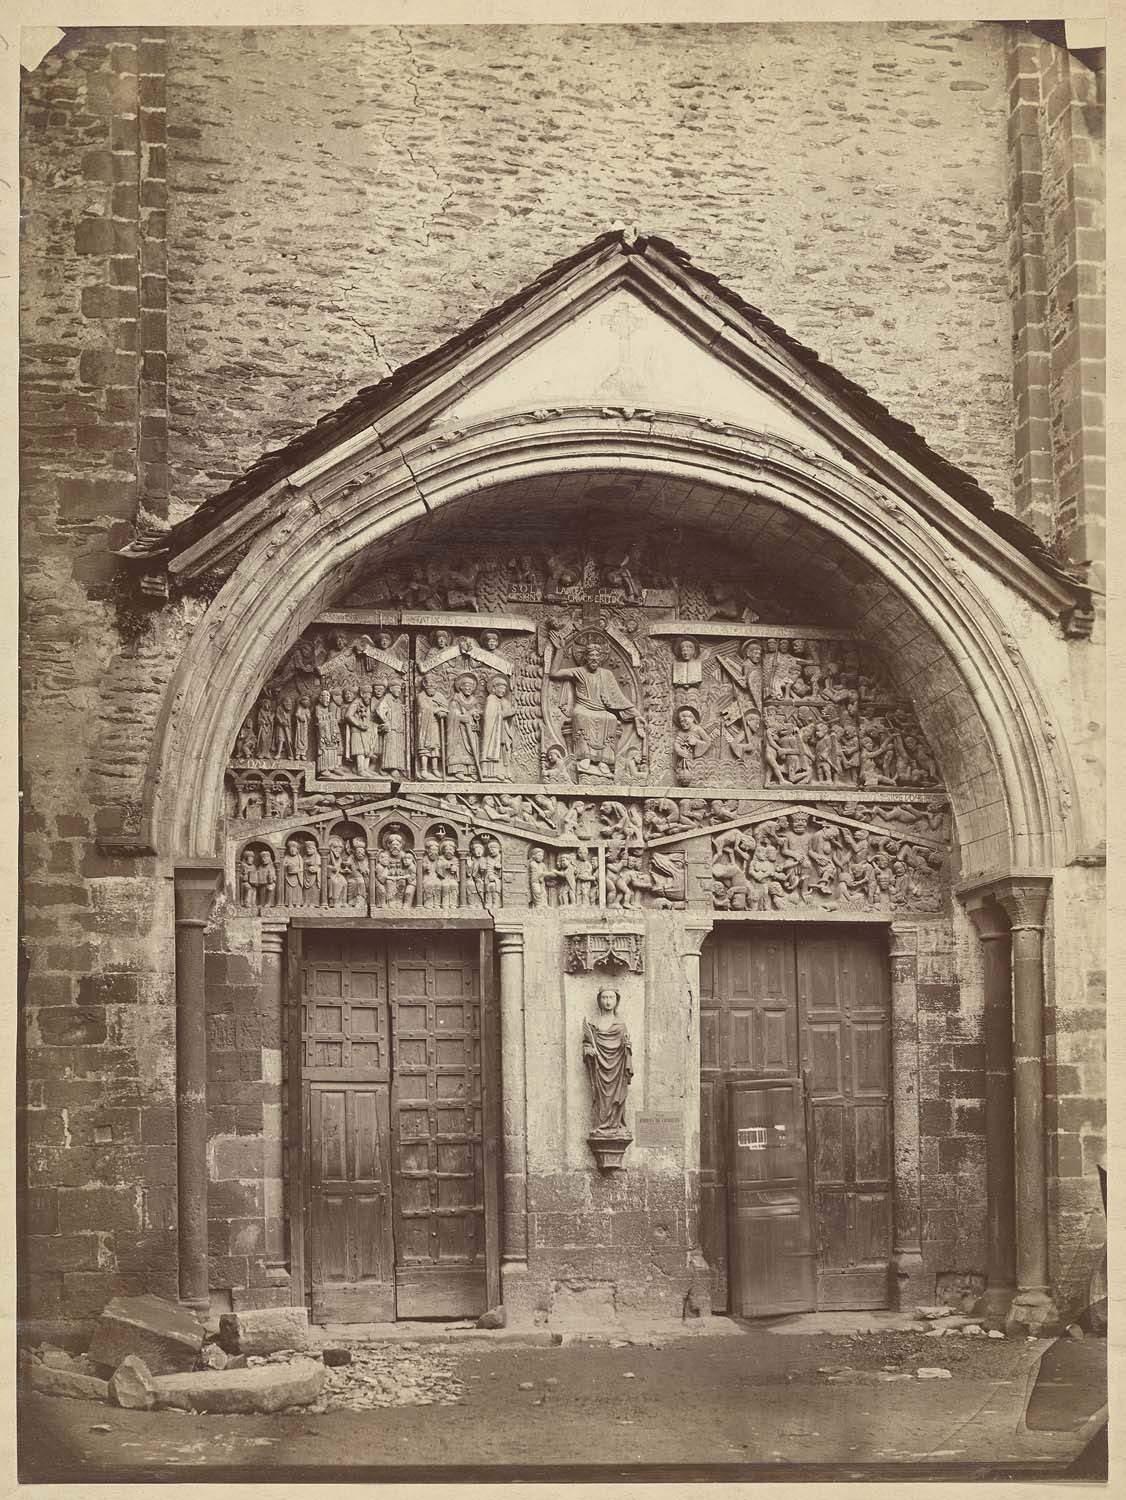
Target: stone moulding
[
  {"x": 604, "y": 952},
  {"x": 283, "y": 583}
]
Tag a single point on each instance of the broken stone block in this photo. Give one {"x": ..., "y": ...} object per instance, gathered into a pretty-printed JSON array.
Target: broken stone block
[
  {"x": 211, "y": 1357},
  {"x": 167, "y": 1337},
  {"x": 494, "y": 1318},
  {"x": 934, "y": 1372},
  {"x": 68, "y": 1383},
  {"x": 264, "y": 1330},
  {"x": 131, "y": 1384},
  {"x": 264, "y": 1388},
  {"x": 334, "y": 1357},
  {"x": 929, "y": 1313},
  {"x": 55, "y": 1358}
]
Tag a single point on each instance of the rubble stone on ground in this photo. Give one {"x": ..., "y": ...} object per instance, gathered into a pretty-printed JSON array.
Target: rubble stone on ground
[
  {"x": 262, "y": 1388},
  {"x": 166, "y": 1336},
  {"x": 212, "y": 1357},
  {"x": 55, "y": 1382},
  {"x": 131, "y": 1384},
  {"x": 264, "y": 1330}
]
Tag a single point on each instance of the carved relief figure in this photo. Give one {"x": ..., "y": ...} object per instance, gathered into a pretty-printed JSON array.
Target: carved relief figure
[
  {"x": 608, "y": 1057},
  {"x": 586, "y": 877},
  {"x": 462, "y": 760},
  {"x": 264, "y": 725},
  {"x": 449, "y": 883},
  {"x": 247, "y": 880},
  {"x": 267, "y": 879},
  {"x": 312, "y": 873},
  {"x": 396, "y": 875},
  {"x": 494, "y": 874},
  {"x": 327, "y": 723},
  {"x": 603, "y": 719},
  {"x": 337, "y": 883},
  {"x": 690, "y": 743},
  {"x": 391, "y": 714},
  {"x": 537, "y": 878},
  {"x": 302, "y": 714},
  {"x": 496, "y": 732},
  {"x": 432, "y": 706},
  {"x": 293, "y": 875},
  {"x": 687, "y": 669},
  {"x": 477, "y": 870},
  {"x": 429, "y": 879}
]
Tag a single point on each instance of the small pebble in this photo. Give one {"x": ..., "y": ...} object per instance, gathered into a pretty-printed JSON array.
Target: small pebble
[
  {"x": 101, "y": 1427},
  {"x": 995, "y": 1333},
  {"x": 628, "y": 1375},
  {"x": 526, "y": 1385},
  {"x": 551, "y": 1380}
]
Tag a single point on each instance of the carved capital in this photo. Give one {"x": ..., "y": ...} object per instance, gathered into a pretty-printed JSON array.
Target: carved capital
[
  {"x": 694, "y": 939},
  {"x": 273, "y": 937},
  {"x": 903, "y": 941},
  {"x": 1025, "y": 901},
  {"x": 196, "y": 886},
  {"x": 510, "y": 941},
  {"x": 991, "y": 921}
]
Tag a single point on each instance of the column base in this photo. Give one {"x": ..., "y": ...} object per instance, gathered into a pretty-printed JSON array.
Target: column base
[
  {"x": 1032, "y": 1312},
  {"x": 516, "y": 1294},
  {"x": 911, "y": 1285},
  {"x": 998, "y": 1299}
]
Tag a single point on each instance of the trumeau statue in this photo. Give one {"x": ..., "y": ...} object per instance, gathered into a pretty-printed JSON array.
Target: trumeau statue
[
  {"x": 580, "y": 728},
  {"x": 609, "y": 1063}
]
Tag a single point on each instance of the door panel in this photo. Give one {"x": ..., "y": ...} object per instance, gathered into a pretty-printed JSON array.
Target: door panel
[
  {"x": 390, "y": 1064},
  {"x": 345, "y": 1079},
  {"x": 772, "y": 1261},
  {"x": 845, "y": 999},
  {"x": 437, "y": 1128},
  {"x": 778, "y": 1002}
]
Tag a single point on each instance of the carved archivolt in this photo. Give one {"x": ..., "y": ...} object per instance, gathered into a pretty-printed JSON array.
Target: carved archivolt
[{"x": 580, "y": 730}]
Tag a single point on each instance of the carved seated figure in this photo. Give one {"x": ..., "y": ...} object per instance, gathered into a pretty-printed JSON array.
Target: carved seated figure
[
  {"x": 396, "y": 874},
  {"x": 599, "y": 711}
]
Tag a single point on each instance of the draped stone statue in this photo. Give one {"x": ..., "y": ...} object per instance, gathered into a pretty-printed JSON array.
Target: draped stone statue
[{"x": 608, "y": 1057}]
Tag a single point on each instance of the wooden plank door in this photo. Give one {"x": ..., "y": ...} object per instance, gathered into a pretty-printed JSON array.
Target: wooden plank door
[
  {"x": 771, "y": 1266},
  {"x": 845, "y": 993},
  {"x": 436, "y": 1127},
  {"x": 345, "y": 1075},
  {"x": 748, "y": 1030}
]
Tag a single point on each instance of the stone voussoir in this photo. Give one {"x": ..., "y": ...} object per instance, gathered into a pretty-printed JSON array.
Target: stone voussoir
[{"x": 262, "y": 1388}]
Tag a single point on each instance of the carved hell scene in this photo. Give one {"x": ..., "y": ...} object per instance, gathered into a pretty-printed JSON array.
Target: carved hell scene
[{"x": 612, "y": 722}]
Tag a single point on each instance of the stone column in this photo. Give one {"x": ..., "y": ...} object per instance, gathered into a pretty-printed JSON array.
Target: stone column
[
  {"x": 992, "y": 926},
  {"x": 691, "y": 943},
  {"x": 514, "y": 1116},
  {"x": 1025, "y": 902},
  {"x": 272, "y": 1011},
  {"x": 908, "y": 1276},
  {"x": 195, "y": 887}
]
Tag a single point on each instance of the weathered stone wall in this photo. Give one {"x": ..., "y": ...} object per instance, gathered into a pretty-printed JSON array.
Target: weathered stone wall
[{"x": 346, "y": 198}]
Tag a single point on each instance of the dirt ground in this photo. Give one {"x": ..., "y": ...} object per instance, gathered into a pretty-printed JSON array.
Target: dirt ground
[{"x": 730, "y": 1407}]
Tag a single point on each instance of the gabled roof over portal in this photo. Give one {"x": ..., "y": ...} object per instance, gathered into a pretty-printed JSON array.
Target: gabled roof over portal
[{"x": 555, "y": 341}]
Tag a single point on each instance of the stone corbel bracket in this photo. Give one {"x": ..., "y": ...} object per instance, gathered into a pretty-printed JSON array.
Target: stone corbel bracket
[{"x": 604, "y": 952}]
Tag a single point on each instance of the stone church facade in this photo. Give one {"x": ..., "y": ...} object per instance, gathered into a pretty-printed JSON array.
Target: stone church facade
[{"x": 608, "y": 816}]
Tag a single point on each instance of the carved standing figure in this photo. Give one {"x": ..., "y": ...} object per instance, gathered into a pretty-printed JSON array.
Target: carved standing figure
[
  {"x": 293, "y": 875},
  {"x": 264, "y": 726},
  {"x": 327, "y": 723},
  {"x": 462, "y": 761},
  {"x": 496, "y": 732},
  {"x": 449, "y": 883},
  {"x": 247, "y": 893},
  {"x": 391, "y": 716},
  {"x": 301, "y": 717},
  {"x": 537, "y": 878},
  {"x": 267, "y": 879},
  {"x": 608, "y": 1057},
  {"x": 433, "y": 706}
]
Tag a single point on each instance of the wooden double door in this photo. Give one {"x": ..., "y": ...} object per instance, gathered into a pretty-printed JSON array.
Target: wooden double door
[
  {"x": 795, "y": 1125},
  {"x": 391, "y": 1078}
]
